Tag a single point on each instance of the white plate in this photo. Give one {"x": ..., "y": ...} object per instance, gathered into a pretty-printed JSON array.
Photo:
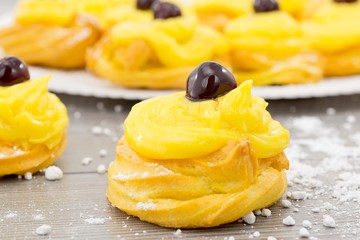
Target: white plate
[{"x": 85, "y": 84}]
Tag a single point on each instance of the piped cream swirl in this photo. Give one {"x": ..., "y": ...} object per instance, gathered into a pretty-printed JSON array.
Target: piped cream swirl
[
  {"x": 30, "y": 115},
  {"x": 173, "y": 127}
]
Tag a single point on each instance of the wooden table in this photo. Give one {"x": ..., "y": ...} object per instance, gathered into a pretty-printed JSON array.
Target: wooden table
[{"x": 70, "y": 205}]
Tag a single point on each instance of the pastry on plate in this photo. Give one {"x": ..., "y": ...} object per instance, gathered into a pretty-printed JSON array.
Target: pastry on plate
[
  {"x": 334, "y": 32},
  {"x": 268, "y": 47},
  {"x": 217, "y": 14},
  {"x": 33, "y": 122},
  {"x": 49, "y": 33},
  {"x": 156, "y": 53},
  {"x": 199, "y": 158},
  {"x": 301, "y": 9}
]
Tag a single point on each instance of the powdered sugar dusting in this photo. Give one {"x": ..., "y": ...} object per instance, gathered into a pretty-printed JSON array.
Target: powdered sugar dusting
[
  {"x": 53, "y": 173},
  {"x": 11, "y": 215},
  {"x": 159, "y": 171},
  {"x": 338, "y": 158},
  {"x": 15, "y": 151},
  {"x": 95, "y": 221},
  {"x": 322, "y": 200},
  {"x": 324, "y": 164},
  {"x": 43, "y": 230},
  {"x": 149, "y": 205},
  {"x": 124, "y": 177}
]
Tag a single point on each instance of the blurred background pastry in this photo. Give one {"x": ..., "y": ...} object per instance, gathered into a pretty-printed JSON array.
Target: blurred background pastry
[
  {"x": 157, "y": 53},
  {"x": 50, "y": 33},
  {"x": 268, "y": 46},
  {"x": 335, "y": 33},
  {"x": 154, "y": 44},
  {"x": 217, "y": 14}
]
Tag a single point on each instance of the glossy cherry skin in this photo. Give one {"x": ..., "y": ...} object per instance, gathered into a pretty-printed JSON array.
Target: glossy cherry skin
[
  {"x": 265, "y": 5},
  {"x": 165, "y": 10},
  {"x": 144, "y": 4},
  {"x": 345, "y": 1},
  {"x": 13, "y": 71},
  {"x": 209, "y": 81}
]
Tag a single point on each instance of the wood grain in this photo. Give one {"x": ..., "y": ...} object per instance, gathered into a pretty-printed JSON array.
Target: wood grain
[
  {"x": 80, "y": 195},
  {"x": 66, "y": 204}
]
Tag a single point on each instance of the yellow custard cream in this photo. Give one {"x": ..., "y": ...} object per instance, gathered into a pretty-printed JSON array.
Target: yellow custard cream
[
  {"x": 275, "y": 34},
  {"x": 173, "y": 127},
  {"x": 270, "y": 49},
  {"x": 30, "y": 115},
  {"x": 53, "y": 12},
  {"x": 156, "y": 54},
  {"x": 217, "y": 14},
  {"x": 334, "y": 32},
  {"x": 301, "y": 9},
  {"x": 63, "y": 12},
  {"x": 334, "y": 18},
  {"x": 174, "y": 41}
]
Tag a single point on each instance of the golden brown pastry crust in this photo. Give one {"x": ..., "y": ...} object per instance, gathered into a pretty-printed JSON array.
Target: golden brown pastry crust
[
  {"x": 51, "y": 46},
  {"x": 16, "y": 161},
  {"x": 298, "y": 69},
  {"x": 136, "y": 66},
  {"x": 269, "y": 48},
  {"x": 190, "y": 193},
  {"x": 342, "y": 63},
  {"x": 130, "y": 68}
]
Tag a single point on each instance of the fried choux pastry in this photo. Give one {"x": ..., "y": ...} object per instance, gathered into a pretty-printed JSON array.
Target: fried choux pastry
[
  {"x": 201, "y": 158},
  {"x": 49, "y": 33},
  {"x": 268, "y": 47},
  {"x": 33, "y": 122},
  {"x": 217, "y": 14},
  {"x": 334, "y": 32},
  {"x": 158, "y": 53}
]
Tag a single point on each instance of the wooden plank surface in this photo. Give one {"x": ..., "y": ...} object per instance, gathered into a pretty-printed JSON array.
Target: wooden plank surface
[{"x": 67, "y": 204}]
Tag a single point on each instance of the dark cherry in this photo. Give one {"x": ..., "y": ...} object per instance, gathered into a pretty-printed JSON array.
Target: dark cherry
[
  {"x": 265, "y": 5},
  {"x": 12, "y": 71},
  {"x": 345, "y": 1},
  {"x": 164, "y": 10},
  {"x": 209, "y": 81},
  {"x": 144, "y": 4}
]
